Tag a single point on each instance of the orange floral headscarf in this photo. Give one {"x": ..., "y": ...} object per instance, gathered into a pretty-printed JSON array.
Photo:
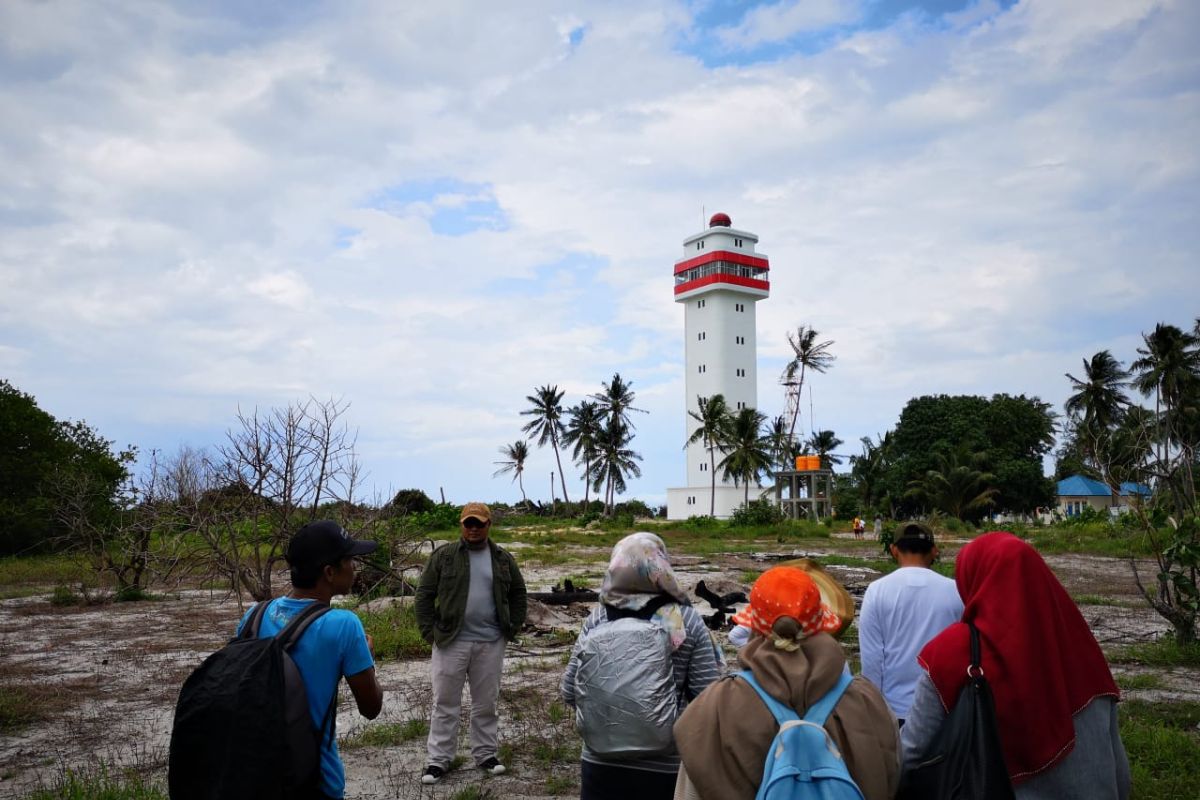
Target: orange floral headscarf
[{"x": 787, "y": 592}]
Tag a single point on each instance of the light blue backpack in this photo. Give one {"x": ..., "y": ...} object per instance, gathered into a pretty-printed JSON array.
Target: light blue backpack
[{"x": 804, "y": 763}]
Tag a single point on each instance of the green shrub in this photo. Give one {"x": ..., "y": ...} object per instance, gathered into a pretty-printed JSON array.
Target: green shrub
[
  {"x": 701, "y": 523},
  {"x": 756, "y": 512},
  {"x": 387, "y": 734},
  {"x": 1163, "y": 746},
  {"x": 395, "y": 632},
  {"x": 64, "y": 596}
]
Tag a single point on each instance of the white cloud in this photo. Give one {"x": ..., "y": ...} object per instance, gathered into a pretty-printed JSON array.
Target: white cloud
[{"x": 780, "y": 21}]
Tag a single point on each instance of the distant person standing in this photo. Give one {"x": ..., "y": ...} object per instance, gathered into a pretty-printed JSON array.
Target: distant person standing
[
  {"x": 901, "y": 612},
  {"x": 859, "y": 527},
  {"x": 470, "y": 600},
  {"x": 878, "y": 529}
]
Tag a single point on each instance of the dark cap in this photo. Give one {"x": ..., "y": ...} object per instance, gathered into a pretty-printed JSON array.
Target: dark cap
[
  {"x": 914, "y": 532},
  {"x": 324, "y": 542}
]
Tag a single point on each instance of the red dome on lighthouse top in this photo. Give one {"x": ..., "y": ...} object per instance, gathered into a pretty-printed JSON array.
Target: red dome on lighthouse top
[{"x": 720, "y": 220}]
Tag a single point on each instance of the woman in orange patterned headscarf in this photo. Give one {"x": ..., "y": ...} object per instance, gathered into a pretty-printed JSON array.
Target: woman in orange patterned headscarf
[{"x": 724, "y": 734}]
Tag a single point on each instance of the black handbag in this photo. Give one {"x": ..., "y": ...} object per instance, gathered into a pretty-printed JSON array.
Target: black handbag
[{"x": 965, "y": 760}]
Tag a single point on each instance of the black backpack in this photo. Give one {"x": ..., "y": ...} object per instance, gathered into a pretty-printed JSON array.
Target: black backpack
[{"x": 242, "y": 729}]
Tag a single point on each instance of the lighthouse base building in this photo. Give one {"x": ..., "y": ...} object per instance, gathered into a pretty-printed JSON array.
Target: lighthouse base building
[{"x": 719, "y": 280}]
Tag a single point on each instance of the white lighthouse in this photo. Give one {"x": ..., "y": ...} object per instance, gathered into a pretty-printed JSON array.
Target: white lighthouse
[{"x": 719, "y": 280}]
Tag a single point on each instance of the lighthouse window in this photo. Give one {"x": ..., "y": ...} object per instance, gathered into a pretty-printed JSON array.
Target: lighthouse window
[
  {"x": 702, "y": 368},
  {"x": 703, "y": 467},
  {"x": 739, "y": 339},
  {"x": 741, "y": 373},
  {"x": 700, "y": 336}
]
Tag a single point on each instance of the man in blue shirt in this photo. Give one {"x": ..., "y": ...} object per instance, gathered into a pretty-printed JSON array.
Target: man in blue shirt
[
  {"x": 321, "y": 556},
  {"x": 901, "y": 612}
]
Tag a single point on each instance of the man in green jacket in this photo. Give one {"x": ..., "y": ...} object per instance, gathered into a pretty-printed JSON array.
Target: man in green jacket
[{"x": 470, "y": 600}]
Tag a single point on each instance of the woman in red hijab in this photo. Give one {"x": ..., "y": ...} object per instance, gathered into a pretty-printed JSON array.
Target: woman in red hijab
[{"x": 1056, "y": 702}]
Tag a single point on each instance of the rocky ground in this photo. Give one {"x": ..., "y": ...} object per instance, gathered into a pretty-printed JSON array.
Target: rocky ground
[{"x": 106, "y": 677}]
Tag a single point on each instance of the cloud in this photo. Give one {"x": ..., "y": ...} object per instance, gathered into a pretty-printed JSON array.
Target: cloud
[{"x": 777, "y": 22}]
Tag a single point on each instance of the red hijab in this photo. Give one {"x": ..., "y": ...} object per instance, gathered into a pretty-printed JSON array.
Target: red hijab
[{"x": 1039, "y": 656}]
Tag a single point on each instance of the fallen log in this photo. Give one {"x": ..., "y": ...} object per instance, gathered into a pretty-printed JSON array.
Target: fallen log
[{"x": 564, "y": 598}]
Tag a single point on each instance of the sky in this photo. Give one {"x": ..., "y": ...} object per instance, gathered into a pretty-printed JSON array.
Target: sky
[{"x": 430, "y": 209}]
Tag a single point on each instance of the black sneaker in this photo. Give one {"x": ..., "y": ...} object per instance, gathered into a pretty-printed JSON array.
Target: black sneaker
[
  {"x": 434, "y": 773},
  {"x": 492, "y": 766}
]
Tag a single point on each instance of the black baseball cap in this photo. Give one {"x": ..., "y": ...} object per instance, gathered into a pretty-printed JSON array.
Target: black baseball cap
[
  {"x": 324, "y": 542},
  {"x": 914, "y": 532}
]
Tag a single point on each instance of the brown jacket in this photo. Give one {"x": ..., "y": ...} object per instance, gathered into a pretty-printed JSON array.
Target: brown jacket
[{"x": 724, "y": 734}]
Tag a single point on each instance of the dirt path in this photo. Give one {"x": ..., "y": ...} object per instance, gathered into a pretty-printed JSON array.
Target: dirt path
[{"x": 107, "y": 677}]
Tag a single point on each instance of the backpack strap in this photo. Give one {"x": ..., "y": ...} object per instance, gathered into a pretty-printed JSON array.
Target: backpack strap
[
  {"x": 250, "y": 629},
  {"x": 645, "y": 612},
  {"x": 299, "y": 624},
  {"x": 778, "y": 710},
  {"x": 817, "y": 713}
]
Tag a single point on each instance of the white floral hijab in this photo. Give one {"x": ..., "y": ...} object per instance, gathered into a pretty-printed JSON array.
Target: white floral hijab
[{"x": 640, "y": 571}]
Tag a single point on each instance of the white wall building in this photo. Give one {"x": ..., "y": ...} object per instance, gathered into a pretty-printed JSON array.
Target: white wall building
[{"x": 719, "y": 280}]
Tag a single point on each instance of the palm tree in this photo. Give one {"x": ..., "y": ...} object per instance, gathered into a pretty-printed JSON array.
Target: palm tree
[
  {"x": 808, "y": 354},
  {"x": 515, "y": 455},
  {"x": 1170, "y": 368},
  {"x": 1096, "y": 407},
  {"x": 546, "y": 424},
  {"x": 713, "y": 417},
  {"x": 1100, "y": 397},
  {"x": 748, "y": 452},
  {"x": 869, "y": 469},
  {"x": 616, "y": 401},
  {"x": 823, "y": 443},
  {"x": 614, "y": 461},
  {"x": 582, "y": 432},
  {"x": 958, "y": 486},
  {"x": 781, "y": 446}
]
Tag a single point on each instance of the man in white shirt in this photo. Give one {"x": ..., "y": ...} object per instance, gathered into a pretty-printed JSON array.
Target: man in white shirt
[{"x": 901, "y": 612}]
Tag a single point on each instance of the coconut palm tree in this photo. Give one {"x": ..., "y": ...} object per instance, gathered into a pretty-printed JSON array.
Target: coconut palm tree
[
  {"x": 958, "y": 486},
  {"x": 616, "y": 401},
  {"x": 614, "y": 461},
  {"x": 808, "y": 354},
  {"x": 869, "y": 469},
  {"x": 546, "y": 424},
  {"x": 823, "y": 443},
  {"x": 782, "y": 450},
  {"x": 713, "y": 417},
  {"x": 747, "y": 450},
  {"x": 582, "y": 432},
  {"x": 1097, "y": 405},
  {"x": 515, "y": 455},
  {"x": 1170, "y": 368}
]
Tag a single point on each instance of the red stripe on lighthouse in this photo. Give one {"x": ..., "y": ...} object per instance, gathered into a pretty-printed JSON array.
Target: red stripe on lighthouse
[
  {"x": 736, "y": 280},
  {"x": 722, "y": 255}
]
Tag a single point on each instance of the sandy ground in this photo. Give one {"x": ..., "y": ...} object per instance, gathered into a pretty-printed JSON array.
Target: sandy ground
[{"x": 110, "y": 674}]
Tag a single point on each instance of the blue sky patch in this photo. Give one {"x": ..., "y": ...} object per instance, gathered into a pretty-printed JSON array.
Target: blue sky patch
[{"x": 452, "y": 207}]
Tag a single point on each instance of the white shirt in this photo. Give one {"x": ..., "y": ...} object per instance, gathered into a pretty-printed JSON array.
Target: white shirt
[{"x": 900, "y": 613}]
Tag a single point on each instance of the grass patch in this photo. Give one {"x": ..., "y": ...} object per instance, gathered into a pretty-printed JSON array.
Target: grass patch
[
  {"x": 560, "y": 784},
  {"x": 395, "y": 633},
  {"x": 1142, "y": 681},
  {"x": 1163, "y": 745},
  {"x": 549, "y": 752},
  {"x": 99, "y": 784},
  {"x": 473, "y": 792},
  {"x": 1101, "y": 600},
  {"x": 18, "y": 708},
  {"x": 1165, "y": 652},
  {"x": 387, "y": 734},
  {"x": 58, "y": 568},
  {"x": 1098, "y": 539}
]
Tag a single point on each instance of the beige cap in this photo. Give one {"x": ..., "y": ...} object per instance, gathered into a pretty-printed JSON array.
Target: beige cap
[{"x": 477, "y": 510}]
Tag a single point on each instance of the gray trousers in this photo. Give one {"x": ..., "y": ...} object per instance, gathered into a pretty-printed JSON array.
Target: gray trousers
[{"x": 480, "y": 664}]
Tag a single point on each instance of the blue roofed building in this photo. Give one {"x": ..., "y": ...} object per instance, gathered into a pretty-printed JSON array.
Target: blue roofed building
[{"x": 1078, "y": 491}]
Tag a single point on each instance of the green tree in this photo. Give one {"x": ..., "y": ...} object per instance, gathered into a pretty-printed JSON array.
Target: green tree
[
  {"x": 783, "y": 450},
  {"x": 1014, "y": 433},
  {"x": 1094, "y": 409},
  {"x": 1169, "y": 368},
  {"x": 44, "y": 460},
  {"x": 546, "y": 424},
  {"x": 582, "y": 432},
  {"x": 807, "y": 354},
  {"x": 714, "y": 422},
  {"x": 747, "y": 450},
  {"x": 868, "y": 469},
  {"x": 514, "y": 462},
  {"x": 823, "y": 443}
]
